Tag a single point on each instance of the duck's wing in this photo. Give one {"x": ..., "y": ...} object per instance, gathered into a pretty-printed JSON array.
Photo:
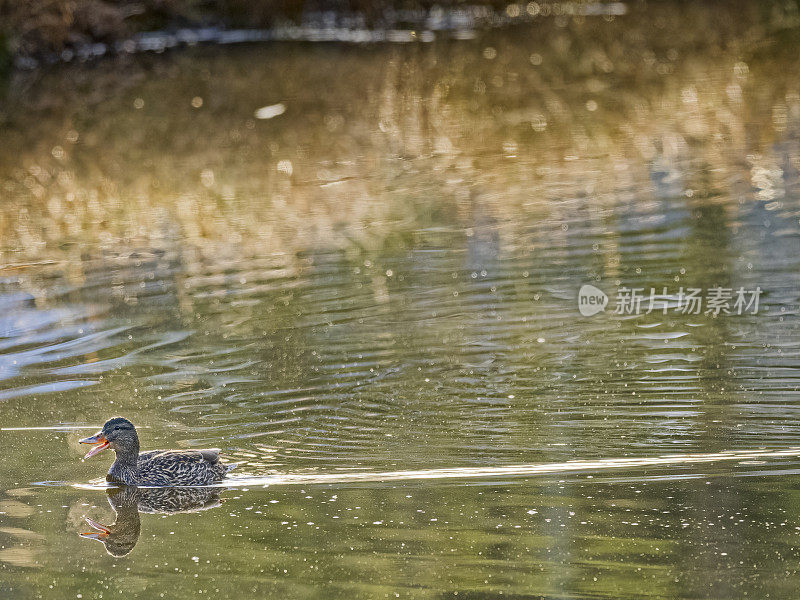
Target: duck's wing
[
  {"x": 180, "y": 467},
  {"x": 150, "y": 454},
  {"x": 210, "y": 454},
  {"x": 207, "y": 454}
]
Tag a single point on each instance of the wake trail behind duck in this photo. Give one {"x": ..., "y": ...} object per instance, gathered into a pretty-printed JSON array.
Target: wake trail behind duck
[
  {"x": 519, "y": 470},
  {"x": 742, "y": 458}
]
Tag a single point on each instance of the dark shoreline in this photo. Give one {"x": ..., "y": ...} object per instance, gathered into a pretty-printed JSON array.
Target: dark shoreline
[
  {"x": 51, "y": 31},
  {"x": 395, "y": 23},
  {"x": 45, "y": 27}
]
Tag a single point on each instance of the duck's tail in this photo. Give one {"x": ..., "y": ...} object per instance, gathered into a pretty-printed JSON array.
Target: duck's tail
[{"x": 230, "y": 467}]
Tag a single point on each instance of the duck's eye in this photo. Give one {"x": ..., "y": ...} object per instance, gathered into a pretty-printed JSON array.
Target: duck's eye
[{"x": 116, "y": 427}]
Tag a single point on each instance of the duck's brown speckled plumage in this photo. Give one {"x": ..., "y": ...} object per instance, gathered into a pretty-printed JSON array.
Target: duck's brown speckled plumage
[
  {"x": 156, "y": 467},
  {"x": 170, "y": 467}
]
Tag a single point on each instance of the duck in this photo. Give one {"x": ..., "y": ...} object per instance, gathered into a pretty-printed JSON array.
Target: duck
[{"x": 154, "y": 468}]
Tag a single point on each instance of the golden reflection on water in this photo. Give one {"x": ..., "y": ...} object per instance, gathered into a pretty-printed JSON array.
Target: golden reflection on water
[
  {"x": 377, "y": 142},
  {"x": 15, "y": 508},
  {"x": 19, "y": 557},
  {"x": 19, "y": 547}
]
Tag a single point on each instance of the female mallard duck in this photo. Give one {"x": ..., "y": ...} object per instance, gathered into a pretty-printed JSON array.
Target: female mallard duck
[{"x": 155, "y": 467}]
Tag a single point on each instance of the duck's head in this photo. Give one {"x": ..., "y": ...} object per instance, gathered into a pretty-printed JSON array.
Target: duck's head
[{"x": 118, "y": 433}]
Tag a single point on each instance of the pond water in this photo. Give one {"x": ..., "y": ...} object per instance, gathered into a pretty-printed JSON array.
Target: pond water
[{"x": 369, "y": 301}]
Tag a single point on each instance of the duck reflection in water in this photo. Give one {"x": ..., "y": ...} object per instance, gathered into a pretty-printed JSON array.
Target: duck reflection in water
[{"x": 120, "y": 537}]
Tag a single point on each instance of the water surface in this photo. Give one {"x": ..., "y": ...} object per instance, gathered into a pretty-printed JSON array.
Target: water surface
[{"x": 369, "y": 302}]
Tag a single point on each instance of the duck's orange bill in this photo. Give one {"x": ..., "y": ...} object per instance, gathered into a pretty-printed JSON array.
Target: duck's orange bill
[
  {"x": 99, "y": 441},
  {"x": 102, "y": 530}
]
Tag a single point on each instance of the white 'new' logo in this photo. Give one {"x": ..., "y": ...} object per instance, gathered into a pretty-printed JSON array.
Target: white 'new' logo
[{"x": 591, "y": 300}]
